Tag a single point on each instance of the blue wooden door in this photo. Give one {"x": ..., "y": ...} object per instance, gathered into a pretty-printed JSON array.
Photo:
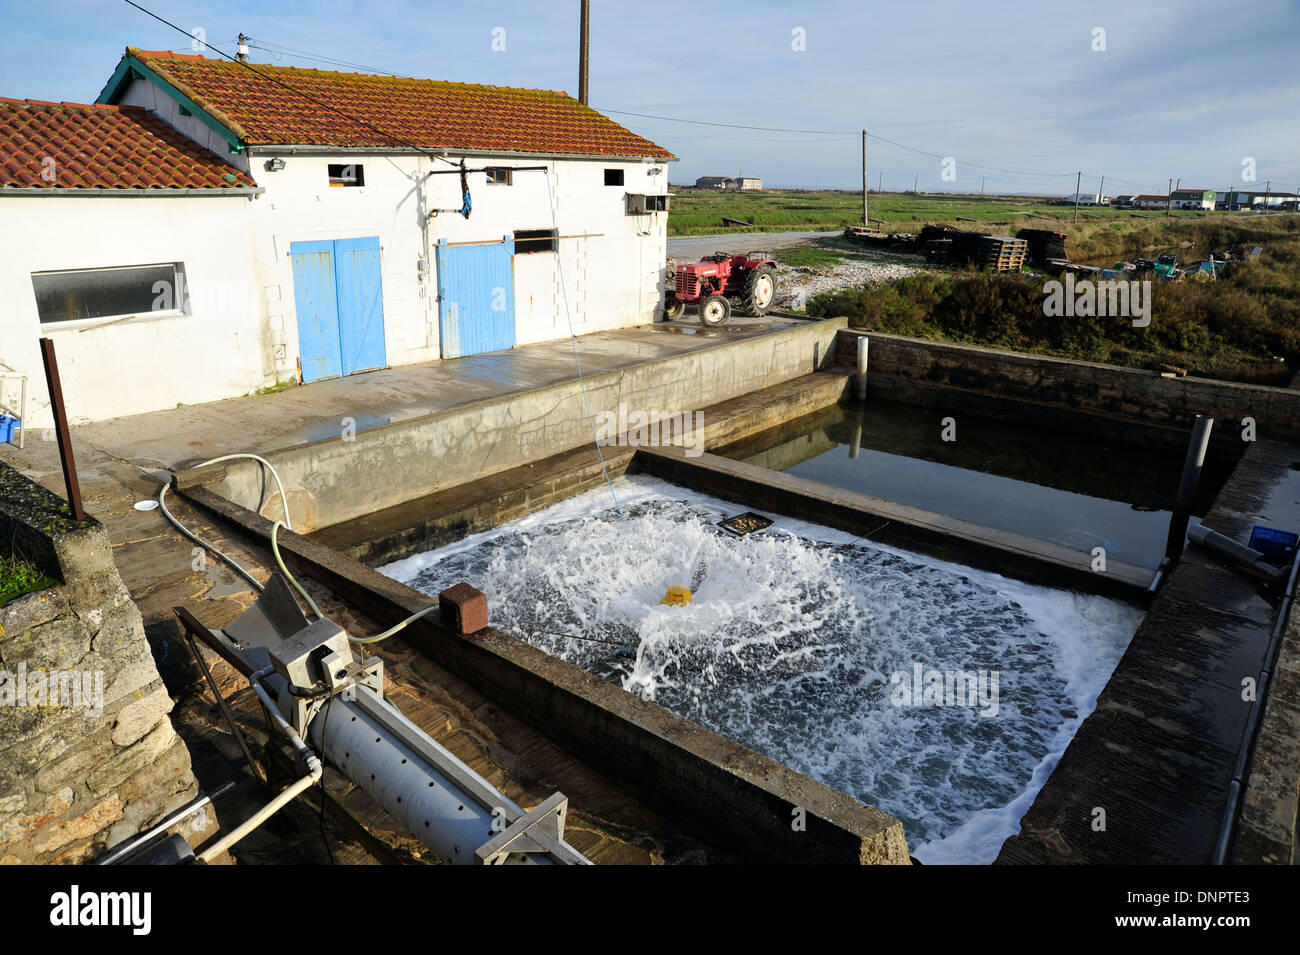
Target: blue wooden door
[
  {"x": 338, "y": 295},
  {"x": 316, "y": 301},
  {"x": 476, "y": 298},
  {"x": 361, "y": 304}
]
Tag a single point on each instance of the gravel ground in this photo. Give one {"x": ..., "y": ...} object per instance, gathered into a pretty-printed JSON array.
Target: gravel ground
[{"x": 795, "y": 286}]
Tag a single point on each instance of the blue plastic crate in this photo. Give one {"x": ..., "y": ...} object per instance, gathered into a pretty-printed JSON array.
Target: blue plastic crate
[
  {"x": 1278, "y": 546},
  {"x": 8, "y": 425}
]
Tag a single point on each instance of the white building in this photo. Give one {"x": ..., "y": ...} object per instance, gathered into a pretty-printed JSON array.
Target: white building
[{"x": 346, "y": 240}]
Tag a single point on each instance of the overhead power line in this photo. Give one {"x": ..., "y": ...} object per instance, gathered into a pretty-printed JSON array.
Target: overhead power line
[{"x": 297, "y": 92}]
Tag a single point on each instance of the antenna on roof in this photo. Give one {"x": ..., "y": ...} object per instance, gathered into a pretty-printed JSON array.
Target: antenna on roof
[{"x": 242, "y": 55}]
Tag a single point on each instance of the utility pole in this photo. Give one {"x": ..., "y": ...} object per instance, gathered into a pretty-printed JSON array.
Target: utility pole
[
  {"x": 1169, "y": 199},
  {"x": 1078, "y": 181},
  {"x": 880, "y": 182},
  {"x": 866, "y": 219},
  {"x": 584, "y": 28},
  {"x": 982, "y": 178},
  {"x": 1268, "y": 189},
  {"x": 1101, "y": 190},
  {"x": 916, "y": 183}
]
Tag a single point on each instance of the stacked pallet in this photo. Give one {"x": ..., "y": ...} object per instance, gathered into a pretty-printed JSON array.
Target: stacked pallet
[
  {"x": 962, "y": 247},
  {"x": 1044, "y": 245},
  {"x": 1002, "y": 253}
]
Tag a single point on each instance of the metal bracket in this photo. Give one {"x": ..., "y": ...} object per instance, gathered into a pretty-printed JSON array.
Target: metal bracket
[{"x": 539, "y": 830}]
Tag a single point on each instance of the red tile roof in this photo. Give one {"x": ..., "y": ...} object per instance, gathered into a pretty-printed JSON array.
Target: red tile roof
[
  {"x": 361, "y": 108},
  {"x": 107, "y": 147}
]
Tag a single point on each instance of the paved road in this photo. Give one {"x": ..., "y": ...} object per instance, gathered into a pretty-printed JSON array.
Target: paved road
[{"x": 694, "y": 246}]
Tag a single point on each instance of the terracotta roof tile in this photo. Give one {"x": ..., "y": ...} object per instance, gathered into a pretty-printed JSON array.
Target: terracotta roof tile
[
  {"x": 430, "y": 114},
  {"x": 106, "y": 147}
]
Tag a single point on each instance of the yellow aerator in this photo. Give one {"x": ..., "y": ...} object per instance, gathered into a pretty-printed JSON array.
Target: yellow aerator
[{"x": 677, "y": 596}]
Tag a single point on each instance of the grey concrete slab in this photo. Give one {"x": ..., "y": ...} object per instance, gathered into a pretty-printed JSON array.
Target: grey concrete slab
[{"x": 305, "y": 413}]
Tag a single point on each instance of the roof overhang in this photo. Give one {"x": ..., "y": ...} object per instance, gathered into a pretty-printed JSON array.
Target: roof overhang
[
  {"x": 104, "y": 192},
  {"x": 284, "y": 149},
  {"x": 131, "y": 68}
]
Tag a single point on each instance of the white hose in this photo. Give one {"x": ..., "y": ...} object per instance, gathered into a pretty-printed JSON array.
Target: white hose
[
  {"x": 284, "y": 501},
  {"x": 275, "y": 550}
]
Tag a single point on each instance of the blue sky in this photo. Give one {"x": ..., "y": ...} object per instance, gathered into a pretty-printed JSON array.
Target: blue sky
[{"x": 1014, "y": 92}]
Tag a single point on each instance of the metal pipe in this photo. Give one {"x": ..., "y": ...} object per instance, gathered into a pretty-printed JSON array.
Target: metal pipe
[
  {"x": 1227, "y": 824},
  {"x": 273, "y": 712},
  {"x": 263, "y": 814},
  {"x": 1191, "y": 478},
  {"x": 860, "y": 381},
  {"x": 450, "y": 817},
  {"x": 125, "y": 848},
  {"x": 1245, "y": 557},
  {"x": 66, "y": 457}
]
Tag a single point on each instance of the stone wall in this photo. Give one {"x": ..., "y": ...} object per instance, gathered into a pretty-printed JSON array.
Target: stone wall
[{"x": 88, "y": 755}]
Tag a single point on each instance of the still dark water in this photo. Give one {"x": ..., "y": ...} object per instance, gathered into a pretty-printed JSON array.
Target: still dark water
[{"x": 1077, "y": 490}]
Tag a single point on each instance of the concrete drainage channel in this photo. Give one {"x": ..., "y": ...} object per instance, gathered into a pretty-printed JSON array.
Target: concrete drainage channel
[{"x": 743, "y": 802}]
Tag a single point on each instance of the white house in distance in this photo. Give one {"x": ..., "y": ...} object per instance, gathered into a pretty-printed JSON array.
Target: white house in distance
[{"x": 345, "y": 222}]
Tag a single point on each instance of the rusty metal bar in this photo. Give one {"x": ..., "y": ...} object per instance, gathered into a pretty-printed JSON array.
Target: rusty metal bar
[{"x": 61, "y": 429}]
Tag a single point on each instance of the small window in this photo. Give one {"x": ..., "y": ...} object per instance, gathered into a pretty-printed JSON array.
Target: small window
[
  {"x": 535, "y": 240},
  {"x": 498, "y": 175},
  {"x": 613, "y": 177},
  {"x": 351, "y": 174},
  {"x": 109, "y": 293}
]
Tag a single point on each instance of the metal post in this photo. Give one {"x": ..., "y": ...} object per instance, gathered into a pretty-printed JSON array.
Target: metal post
[
  {"x": 855, "y": 443},
  {"x": 1169, "y": 199},
  {"x": 61, "y": 429},
  {"x": 584, "y": 29},
  {"x": 1101, "y": 190},
  {"x": 866, "y": 219},
  {"x": 860, "y": 382},
  {"x": 1192, "y": 465},
  {"x": 1078, "y": 181}
]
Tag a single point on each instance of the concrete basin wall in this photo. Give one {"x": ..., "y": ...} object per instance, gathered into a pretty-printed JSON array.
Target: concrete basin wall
[
  {"x": 343, "y": 477},
  {"x": 912, "y": 369}
]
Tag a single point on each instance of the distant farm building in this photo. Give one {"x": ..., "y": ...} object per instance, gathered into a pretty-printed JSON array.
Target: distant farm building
[
  {"x": 728, "y": 182},
  {"x": 1193, "y": 199},
  {"x": 1150, "y": 202}
]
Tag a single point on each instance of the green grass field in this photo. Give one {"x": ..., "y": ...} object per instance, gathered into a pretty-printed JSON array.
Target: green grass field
[{"x": 700, "y": 212}]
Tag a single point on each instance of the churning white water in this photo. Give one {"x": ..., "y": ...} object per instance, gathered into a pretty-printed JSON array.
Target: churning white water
[{"x": 791, "y": 643}]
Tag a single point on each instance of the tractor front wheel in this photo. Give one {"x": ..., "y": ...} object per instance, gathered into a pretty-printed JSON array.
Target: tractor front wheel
[
  {"x": 715, "y": 309},
  {"x": 760, "y": 290},
  {"x": 673, "y": 310}
]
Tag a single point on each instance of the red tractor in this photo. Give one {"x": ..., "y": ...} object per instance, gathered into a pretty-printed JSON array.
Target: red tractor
[{"x": 716, "y": 281}]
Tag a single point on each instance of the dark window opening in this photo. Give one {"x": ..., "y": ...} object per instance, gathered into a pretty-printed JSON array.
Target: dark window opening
[
  {"x": 498, "y": 175},
  {"x": 109, "y": 293},
  {"x": 613, "y": 177},
  {"x": 350, "y": 174},
  {"x": 535, "y": 240}
]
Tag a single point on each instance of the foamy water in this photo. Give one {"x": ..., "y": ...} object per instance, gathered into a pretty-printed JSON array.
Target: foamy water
[{"x": 791, "y": 641}]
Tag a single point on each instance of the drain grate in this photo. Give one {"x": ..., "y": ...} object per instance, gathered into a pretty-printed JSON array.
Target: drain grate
[{"x": 746, "y": 523}]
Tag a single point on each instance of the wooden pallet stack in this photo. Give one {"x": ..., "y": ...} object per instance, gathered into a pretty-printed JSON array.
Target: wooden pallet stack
[
  {"x": 1002, "y": 253},
  {"x": 1044, "y": 245}
]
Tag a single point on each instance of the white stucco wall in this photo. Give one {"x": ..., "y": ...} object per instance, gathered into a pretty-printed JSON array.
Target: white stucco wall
[
  {"x": 611, "y": 263},
  {"x": 218, "y": 349},
  {"x": 241, "y": 332}
]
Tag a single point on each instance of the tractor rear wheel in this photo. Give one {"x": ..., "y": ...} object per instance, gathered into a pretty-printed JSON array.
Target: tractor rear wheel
[
  {"x": 760, "y": 290},
  {"x": 715, "y": 309}
]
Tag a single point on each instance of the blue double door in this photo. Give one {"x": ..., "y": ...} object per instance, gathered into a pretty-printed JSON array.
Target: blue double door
[
  {"x": 476, "y": 297},
  {"x": 339, "y": 297}
]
